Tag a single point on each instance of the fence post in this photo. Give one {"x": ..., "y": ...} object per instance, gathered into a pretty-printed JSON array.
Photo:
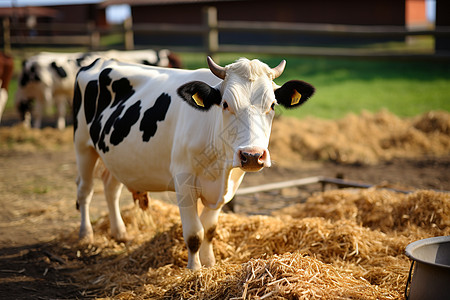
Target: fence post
[
  {"x": 212, "y": 34},
  {"x": 128, "y": 34},
  {"x": 6, "y": 35},
  {"x": 95, "y": 36}
]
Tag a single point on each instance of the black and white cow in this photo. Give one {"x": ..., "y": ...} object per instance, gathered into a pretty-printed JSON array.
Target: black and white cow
[
  {"x": 192, "y": 132},
  {"x": 47, "y": 78}
]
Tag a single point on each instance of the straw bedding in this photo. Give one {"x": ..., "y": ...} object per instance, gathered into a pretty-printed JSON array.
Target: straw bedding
[
  {"x": 367, "y": 138},
  {"x": 345, "y": 244}
]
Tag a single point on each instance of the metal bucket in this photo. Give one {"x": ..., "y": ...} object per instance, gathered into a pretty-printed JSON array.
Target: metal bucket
[{"x": 431, "y": 265}]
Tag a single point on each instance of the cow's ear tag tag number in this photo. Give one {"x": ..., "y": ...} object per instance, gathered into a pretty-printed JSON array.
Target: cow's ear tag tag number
[
  {"x": 198, "y": 100},
  {"x": 295, "y": 97}
]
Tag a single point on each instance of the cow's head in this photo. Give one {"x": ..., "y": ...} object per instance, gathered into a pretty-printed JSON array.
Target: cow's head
[{"x": 247, "y": 97}]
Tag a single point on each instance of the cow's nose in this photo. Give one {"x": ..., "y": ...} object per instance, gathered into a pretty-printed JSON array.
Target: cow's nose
[{"x": 253, "y": 159}]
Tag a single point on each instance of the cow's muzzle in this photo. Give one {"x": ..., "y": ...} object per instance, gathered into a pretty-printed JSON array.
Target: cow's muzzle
[{"x": 252, "y": 159}]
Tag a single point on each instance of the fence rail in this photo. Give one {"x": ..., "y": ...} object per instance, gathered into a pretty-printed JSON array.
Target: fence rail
[{"x": 88, "y": 35}]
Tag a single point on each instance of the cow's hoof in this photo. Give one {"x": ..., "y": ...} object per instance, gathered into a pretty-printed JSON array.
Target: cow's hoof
[
  {"x": 86, "y": 238},
  {"x": 122, "y": 237}
]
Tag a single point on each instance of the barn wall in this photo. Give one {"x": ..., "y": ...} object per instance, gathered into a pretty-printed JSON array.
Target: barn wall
[{"x": 349, "y": 12}]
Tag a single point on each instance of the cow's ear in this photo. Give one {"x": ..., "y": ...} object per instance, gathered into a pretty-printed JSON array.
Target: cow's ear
[
  {"x": 294, "y": 93},
  {"x": 200, "y": 95}
]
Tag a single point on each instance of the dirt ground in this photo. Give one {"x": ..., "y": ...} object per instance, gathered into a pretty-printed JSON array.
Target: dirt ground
[{"x": 37, "y": 201}]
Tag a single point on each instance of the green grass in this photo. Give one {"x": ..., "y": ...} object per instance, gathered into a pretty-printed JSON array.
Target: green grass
[{"x": 343, "y": 86}]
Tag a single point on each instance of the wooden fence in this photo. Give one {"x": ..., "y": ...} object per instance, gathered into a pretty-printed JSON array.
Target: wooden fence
[{"x": 88, "y": 35}]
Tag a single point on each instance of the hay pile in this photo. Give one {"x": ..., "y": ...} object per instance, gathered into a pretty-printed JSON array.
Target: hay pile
[
  {"x": 367, "y": 138},
  {"x": 338, "y": 245}
]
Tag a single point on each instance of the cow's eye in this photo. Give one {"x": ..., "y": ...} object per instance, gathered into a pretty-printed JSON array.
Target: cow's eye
[
  {"x": 273, "y": 105},
  {"x": 225, "y": 105}
]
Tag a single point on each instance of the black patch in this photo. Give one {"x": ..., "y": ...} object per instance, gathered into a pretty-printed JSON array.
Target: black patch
[
  {"x": 209, "y": 95},
  {"x": 123, "y": 90},
  {"x": 122, "y": 126},
  {"x": 194, "y": 243},
  {"x": 29, "y": 75},
  {"x": 104, "y": 98},
  {"x": 59, "y": 70},
  {"x": 210, "y": 233},
  {"x": 90, "y": 100},
  {"x": 76, "y": 105},
  {"x": 154, "y": 114},
  {"x": 284, "y": 93}
]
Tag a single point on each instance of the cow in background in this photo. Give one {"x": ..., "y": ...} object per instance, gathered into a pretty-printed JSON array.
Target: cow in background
[
  {"x": 194, "y": 132},
  {"x": 47, "y": 79},
  {"x": 6, "y": 72}
]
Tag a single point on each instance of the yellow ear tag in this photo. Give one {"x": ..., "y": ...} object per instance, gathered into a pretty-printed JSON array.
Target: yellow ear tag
[
  {"x": 295, "y": 97},
  {"x": 198, "y": 100}
]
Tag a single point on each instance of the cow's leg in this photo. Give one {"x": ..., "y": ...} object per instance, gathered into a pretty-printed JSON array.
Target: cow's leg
[
  {"x": 38, "y": 112},
  {"x": 209, "y": 219},
  {"x": 192, "y": 227},
  {"x": 86, "y": 160},
  {"x": 61, "y": 113},
  {"x": 113, "y": 188}
]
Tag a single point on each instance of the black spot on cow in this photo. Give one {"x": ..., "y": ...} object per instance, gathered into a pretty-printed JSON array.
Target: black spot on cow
[
  {"x": 154, "y": 114},
  {"x": 76, "y": 106},
  {"x": 59, "y": 70},
  {"x": 210, "y": 233},
  {"x": 104, "y": 98},
  {"x": 122, "y": 126},
  {"x": 30, "y": 75},
  {"x": 90, "y": 104},
  {"x": 194, "y": 243},
  {"x": 123, "y": 90},
  {"x": 90, "y": 100}
]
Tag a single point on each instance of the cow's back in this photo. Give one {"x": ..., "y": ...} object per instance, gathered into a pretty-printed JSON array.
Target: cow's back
[{"x": 131, "y": 114}]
